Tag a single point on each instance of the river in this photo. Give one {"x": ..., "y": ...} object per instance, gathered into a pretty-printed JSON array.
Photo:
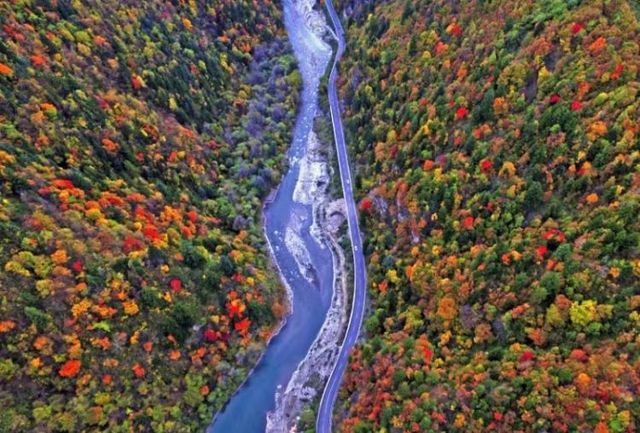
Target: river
[{"x": 246, "y": 411}]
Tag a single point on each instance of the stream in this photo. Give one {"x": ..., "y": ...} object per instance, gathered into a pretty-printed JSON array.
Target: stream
[{"x": 310, "y": 286}]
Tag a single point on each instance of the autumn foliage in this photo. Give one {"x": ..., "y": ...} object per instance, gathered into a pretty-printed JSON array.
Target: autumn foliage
[
  {"x": 70, "y": 368},
  {"x": 137, "y": 140},
  {"x": 499, "y": 143}
]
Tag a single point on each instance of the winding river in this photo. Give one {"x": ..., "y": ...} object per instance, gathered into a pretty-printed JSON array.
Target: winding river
[{"x": 310, "y": 291}]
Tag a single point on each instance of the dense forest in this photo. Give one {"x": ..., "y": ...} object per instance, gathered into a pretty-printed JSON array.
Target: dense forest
[
  {"x": 497, "y": 151},
  {"x": 137, "y": 143}
]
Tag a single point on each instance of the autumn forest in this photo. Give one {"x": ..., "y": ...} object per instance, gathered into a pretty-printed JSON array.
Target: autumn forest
[
  {"x": 137, "y": 141},
  {"x": 495, "y": 153},
  {"x": 498, "y": 154}
]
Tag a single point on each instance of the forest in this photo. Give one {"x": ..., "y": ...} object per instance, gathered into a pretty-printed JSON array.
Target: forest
[
  {"x": 138, "y": 141},
  {"x": 497, "y": 149}
]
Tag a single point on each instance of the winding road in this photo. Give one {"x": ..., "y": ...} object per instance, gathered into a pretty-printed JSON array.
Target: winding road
[{"x": 325, "y": 410}]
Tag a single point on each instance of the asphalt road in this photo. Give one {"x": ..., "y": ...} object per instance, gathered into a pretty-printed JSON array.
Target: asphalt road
[{"x": 323, "y": 422}]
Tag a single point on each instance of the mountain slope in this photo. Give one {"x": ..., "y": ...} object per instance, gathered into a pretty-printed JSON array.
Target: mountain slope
[
  {"x": 497, "y": 170},
  {"x": 137, "y": 141}
]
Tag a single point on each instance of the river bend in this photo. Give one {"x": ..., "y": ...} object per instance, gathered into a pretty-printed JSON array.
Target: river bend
[{"x": 305, "y": 264}]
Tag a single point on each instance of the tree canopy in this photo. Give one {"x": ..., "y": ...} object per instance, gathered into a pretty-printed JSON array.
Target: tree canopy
[
  {"x": 137, "y": 141},
  {"x": 496, "y": 149}
]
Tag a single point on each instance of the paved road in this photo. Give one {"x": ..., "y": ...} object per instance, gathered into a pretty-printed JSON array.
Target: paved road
[{"x": 323, "y": 423}]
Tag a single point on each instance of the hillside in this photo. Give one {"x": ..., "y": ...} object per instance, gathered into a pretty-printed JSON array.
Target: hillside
[
  {"x": 137, "y": 141},
  {"x": 497, "y": 159}
]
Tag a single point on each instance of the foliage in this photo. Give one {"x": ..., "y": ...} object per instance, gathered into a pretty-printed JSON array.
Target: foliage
[
  {"x": 137, "y": 142},
  {"x": 496, "y": 148}
]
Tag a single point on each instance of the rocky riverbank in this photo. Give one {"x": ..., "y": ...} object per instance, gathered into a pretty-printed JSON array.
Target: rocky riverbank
[
  {"x": 298, "y": 221},
  {"x": 311, "y": 189},
  {"x": 310, "y": 376}
]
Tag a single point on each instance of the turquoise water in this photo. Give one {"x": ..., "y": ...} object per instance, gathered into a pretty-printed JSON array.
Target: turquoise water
[{"x": 247, "y": 409}]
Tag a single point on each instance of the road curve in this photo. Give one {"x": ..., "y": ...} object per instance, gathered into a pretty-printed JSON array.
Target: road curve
[{"x": 325, "y": 410}]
